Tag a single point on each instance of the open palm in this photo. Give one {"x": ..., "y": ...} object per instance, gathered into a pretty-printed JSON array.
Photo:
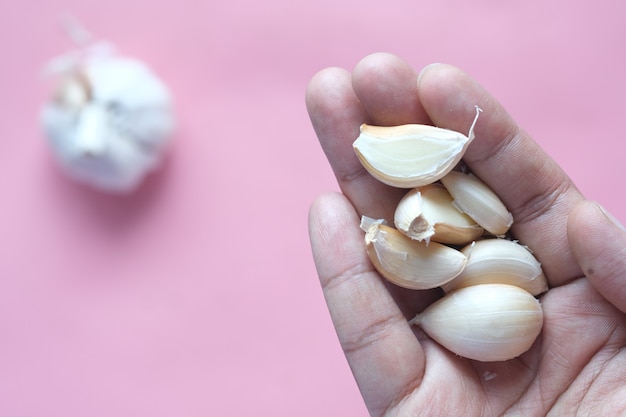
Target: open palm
[{"x": 578, "y": 364}]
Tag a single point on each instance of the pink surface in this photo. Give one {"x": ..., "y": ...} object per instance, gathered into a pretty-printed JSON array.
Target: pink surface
[{"x": 197, "y": 296}]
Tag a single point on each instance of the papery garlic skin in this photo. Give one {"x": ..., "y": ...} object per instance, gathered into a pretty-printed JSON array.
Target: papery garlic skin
[
  {"x": 486, "y": 322},
  {"x": 409, "y": 263},
  {"x": 502, "y": 261},
  {"x": 427, "y": 213},
  {"x": 109, "y": 122}
]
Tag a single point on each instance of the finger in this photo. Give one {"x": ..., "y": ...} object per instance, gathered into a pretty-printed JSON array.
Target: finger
[
  {"x": 387, "y": 89},
  {"x": 537, "y": 192},
  {"x": 599, "y": 245},
  {"x": 336, "y": 115},
  {"x": 383, "y": 352}
]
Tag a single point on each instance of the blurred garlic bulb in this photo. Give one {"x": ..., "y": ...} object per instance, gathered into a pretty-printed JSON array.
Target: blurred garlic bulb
[
  {"x": 109, "y": 121},
  {"x": 486, "y": 322}
]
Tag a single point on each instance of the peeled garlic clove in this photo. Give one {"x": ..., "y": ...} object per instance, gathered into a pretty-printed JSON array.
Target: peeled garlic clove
[
  {"x": 426, "y": 213},
  {"x": 487, "y": 322},
  {"x": 409, "y": 263},
  {"x": 500, "y": 261},
  {"x": 477, "y": 200},
  {"x": 410, "y": 155}
]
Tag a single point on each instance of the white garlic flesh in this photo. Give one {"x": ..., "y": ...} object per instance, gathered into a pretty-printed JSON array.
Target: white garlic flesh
[
  {"x": 109, "y": 122},
  {"x": 486, "y": 322},
  {"x": 411, "y": 155}
]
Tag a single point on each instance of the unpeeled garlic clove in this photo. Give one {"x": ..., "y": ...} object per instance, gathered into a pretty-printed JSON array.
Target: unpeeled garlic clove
[
  {"x": 500, "y": 261},
  {"x": 409, "y": 263},
  {"x": 487, "y": 322},
  {"x": 427, "y": 213},
  {"x": 477, "y": 200},
  {"x": 411, "y": 155}
]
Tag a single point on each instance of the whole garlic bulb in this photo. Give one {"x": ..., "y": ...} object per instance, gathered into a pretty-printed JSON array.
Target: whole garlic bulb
[
  {"x": 109, "y": 121},
  {"x": 485, "y": 322}
]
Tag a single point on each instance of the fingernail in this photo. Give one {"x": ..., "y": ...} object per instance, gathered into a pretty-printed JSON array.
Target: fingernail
[
  {"x": 611, "y": 218},
  {"x": 424, "y": 70}
]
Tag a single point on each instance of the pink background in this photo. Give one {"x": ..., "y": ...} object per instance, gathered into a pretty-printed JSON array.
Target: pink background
[{"x": 197, "y": 296}]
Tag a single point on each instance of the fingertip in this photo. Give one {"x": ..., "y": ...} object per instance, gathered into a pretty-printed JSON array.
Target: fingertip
[
  {"x": 330, "y": 212},
  {"x": 450, "y": 95},
  {"x": 378, "y": 62},
  {"x": 335, "y": 114},
  {"x": 588, "y": 219},
  {"x": 598, "y": 240},
  {"x": 330, "y": 202},
  {"x": 322, "y": 83},
  {"x": 377, "y": 55},
  {"x": 386, "y": 85},
  {"x": 611, "y": 218}
]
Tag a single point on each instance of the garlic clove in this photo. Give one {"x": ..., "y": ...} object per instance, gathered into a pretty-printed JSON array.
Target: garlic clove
[
  {"x": 474, "y": 198},
  {"x": 427, "y": 213},
  {"x": 487, "y": 322},
  {"x": 74, "y": 91},
  {"x": 409, "y": 263},
  {"x": 410, "y": 155},
  {"x": 500, "y": 261}
]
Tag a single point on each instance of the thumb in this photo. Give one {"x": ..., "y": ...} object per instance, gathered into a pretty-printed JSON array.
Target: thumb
[{"x": 598, "y": 242}]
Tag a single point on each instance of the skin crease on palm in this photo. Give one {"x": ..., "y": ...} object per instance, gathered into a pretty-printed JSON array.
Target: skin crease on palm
[{"x": 577, "y": 366}]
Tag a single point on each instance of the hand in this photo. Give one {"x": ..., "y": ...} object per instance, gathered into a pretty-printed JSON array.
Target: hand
[{"x": 578, "y": 364}]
